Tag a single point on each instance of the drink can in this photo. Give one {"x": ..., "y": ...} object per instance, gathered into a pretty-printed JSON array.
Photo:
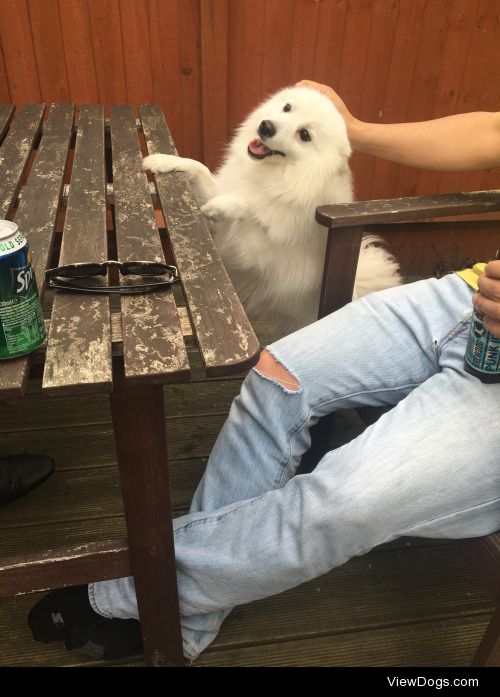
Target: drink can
[
  {"x": 21, "y": 320},
  {"x": 482, "y": 355}
]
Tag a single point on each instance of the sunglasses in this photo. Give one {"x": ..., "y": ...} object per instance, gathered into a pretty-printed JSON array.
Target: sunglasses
[{"x": 63, "y": 277}]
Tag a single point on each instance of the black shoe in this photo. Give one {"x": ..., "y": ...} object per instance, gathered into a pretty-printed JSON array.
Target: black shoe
[
  {"x": 55, "y": 612},
  {"x": 105, "y": 638},
  {"x": 21, "y": 473},
  {"x": 66, "y": 615}
]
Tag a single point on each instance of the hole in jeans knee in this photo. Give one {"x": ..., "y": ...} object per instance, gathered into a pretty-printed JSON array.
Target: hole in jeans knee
[{"x": 268, "y": 367}]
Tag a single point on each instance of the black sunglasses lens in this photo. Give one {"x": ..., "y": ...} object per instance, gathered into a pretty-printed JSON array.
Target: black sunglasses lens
[
  {"x": 81, "y": 270},
  {"x": 141, "y": 268}
]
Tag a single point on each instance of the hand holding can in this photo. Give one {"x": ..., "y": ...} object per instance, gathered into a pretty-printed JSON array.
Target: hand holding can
[
  {"x": 482, "y": 356},
  {"x": 487, "y": 301}
]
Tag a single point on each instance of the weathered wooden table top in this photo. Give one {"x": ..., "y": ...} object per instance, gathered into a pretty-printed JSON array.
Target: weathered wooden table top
[{"x": 76, "y": 160}]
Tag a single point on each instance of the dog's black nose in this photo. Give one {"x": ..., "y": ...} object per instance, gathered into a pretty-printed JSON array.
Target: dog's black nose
[{"x": 267, "y": 129}]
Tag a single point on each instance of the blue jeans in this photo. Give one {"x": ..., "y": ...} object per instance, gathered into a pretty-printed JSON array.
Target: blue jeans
[{"x": 429, "y": 467}]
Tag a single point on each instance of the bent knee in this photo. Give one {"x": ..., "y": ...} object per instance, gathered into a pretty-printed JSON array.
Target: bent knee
[{"x": 269, "y": 367}]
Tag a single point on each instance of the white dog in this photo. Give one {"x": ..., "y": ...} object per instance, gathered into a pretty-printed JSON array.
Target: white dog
[{"x": 288, "y": 157}]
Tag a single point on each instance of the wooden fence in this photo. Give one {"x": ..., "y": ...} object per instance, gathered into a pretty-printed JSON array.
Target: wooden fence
[{"x": 209, "y": 62}]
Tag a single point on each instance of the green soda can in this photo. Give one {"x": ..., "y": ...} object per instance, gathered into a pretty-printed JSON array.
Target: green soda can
[{"x": 21, "y": 320}]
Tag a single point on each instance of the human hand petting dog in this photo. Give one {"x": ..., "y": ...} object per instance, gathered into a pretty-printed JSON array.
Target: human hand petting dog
[
  {"x": 487, "y": 300},
  {"x": 350, "y": 120}
]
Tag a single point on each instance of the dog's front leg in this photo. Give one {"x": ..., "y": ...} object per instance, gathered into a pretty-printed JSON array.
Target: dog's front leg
[
  {"x": 200, "y": 177},
  {"x": 225, "y": 207}
]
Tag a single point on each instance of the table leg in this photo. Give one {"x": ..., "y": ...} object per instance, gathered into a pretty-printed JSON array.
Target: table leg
[{"x": 139, "y": 427}]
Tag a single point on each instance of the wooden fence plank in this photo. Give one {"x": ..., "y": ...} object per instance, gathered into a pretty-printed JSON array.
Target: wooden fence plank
[
  {"x": 4, "y": 85},
  {"x": 136, "y": 51},
  {"x": 329, "y": 42},
  {"x": 190, "y": 85},
  {"x": 389, "y": 179},
  {"x": 379, "y": 55},
  {"x": 303, "y": 46},
  {"x": 78, "y": 51},
  {"x": 49, "y": 50},
  {"x": 19, "y": 53},
  {"x": 106, "y": 32},
  {"x": 353, "y": 68},
  {"x": 246, "y": 48},
  {"x": 277, "y": 31},
  {"x": 214, "y": 61},
  {"x": 164, "y": 37},
  {"x": 6, "y": 111}
]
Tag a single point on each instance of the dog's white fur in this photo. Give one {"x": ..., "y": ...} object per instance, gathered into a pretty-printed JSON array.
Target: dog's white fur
[{"x": 262, "y": 211}]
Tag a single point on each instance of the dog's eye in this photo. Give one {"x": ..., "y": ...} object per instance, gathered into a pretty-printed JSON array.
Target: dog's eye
[
  {"x": 287, "y": 107},
  {"x": 304, "y": 135}
]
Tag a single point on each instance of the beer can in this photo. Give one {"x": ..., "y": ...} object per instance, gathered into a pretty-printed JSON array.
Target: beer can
[
  {"x": 482, "y": 354},
  {"x": 21, "y": 320}
]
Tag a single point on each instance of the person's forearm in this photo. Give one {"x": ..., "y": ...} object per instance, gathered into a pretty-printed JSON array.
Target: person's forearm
[{"x": 452, "y": 143}]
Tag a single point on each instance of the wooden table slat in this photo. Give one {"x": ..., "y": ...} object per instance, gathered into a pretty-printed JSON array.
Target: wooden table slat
[
  {"x": 153, "y": 346},
  {"x": 79, "y": 346},
  {"x": 6, "y": 111},
  {"x": 225, "y": 336},
  {"x": 15, "y": 151},
  {"x": 36, "y": 217}
]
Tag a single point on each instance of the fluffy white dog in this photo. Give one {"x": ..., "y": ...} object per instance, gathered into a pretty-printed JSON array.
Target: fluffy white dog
[{"x": 288, "y": 157}]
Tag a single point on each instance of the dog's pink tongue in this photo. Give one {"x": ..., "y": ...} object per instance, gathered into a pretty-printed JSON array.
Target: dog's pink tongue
[{"x": 257, "y": 147}]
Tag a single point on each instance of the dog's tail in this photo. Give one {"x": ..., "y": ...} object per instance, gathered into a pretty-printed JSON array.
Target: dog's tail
[{"x": 377, "y": 268}]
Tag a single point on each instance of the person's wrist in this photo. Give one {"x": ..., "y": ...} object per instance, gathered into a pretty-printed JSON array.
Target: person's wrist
[{"x": 358, "y": 133}]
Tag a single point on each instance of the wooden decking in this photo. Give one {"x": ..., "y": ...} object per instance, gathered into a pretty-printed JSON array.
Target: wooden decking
[{"x": 410, "y": 603}]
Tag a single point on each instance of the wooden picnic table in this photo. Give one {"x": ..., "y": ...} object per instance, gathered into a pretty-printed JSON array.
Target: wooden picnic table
[{"x": 91, "y": 167}]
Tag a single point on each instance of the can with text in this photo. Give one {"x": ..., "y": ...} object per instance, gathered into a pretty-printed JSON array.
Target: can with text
[
  {"x": 482, "y": 354},
  {"x": 21, "y": 320}
]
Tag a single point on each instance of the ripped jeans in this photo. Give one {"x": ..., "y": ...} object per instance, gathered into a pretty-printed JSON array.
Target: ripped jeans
[{"x": 429, "y": 467}]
